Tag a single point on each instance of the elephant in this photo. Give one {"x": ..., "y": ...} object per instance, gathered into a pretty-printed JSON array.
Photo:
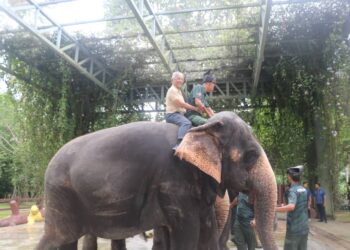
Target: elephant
[{"x": 119, "y": 182}]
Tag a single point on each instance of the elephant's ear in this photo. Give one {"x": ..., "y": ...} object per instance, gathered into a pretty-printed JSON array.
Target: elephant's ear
[{"x": 201, "y": 147}]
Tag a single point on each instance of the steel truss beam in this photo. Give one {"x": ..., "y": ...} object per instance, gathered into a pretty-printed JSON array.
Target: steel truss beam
[
  {"x": 214, "y": 45},
  {"x": 43, "y": 4},
  {"x": 188, "y": 47},
  {"x": 233, "y": 27},
  {"x": 191, "y": 60},
  {"x": 67, "y": 48},
  {"x": 230, "y": 68},
  {"x": 155, "y": 35},
  {"x": 265, "y": 16},
  {"x": 227, "y": 7}
]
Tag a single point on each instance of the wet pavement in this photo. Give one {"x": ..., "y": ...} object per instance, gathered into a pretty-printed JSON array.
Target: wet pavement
[
  {"x": 26, "y": 237},
  {"x": 330, "y": 236}
]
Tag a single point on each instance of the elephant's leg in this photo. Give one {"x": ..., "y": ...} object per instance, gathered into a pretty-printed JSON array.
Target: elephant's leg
[
  {"x": 90, "y": 242},
  {"x": 46, "y": 243},
  {"x": 161, "y": 240},
  {"x": 70, "y": 246},
  {"x": 184, "y": 234},
  {"x": 208, "y": 239},
  {"x": 118, "y": 245},
  {"x": 50, "y": 243},
  {"x": 63, "y": 221},
  {"x": 225, "y": 234}
]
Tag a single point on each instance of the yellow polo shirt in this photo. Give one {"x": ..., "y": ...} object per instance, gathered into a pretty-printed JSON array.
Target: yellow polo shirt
[{"x": 172, "y": 95}]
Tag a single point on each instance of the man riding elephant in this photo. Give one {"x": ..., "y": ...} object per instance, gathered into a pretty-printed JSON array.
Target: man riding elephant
[{"x": 198, "y": 98}]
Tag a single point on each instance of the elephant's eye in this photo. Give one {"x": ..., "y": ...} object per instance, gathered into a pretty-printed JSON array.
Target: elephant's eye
[
  {"x": 235, "y": 155},
  {"x": 250, "y": 157}
]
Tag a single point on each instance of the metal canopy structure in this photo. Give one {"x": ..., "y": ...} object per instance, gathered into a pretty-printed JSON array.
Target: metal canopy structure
[{"x": 165, "y": 36}]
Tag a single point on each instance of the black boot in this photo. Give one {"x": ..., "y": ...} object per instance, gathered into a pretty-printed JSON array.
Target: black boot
[{"x": 177, "y": 144}]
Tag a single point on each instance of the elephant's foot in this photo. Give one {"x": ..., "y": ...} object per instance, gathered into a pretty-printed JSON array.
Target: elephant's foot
[
  {"x": 46, "y": 243},
  {"x": 118, "y": 245},
  {"x": 161, "y": 239},
  {"x": 70, "y": 246},
  {"x": 90, "y": 242},
  {"x": 49, "y": 243}
]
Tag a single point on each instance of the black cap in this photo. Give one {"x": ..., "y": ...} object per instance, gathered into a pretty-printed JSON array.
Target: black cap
[
  {"x": 208, "y": 77},
  {"x": 295, "y": 171}
]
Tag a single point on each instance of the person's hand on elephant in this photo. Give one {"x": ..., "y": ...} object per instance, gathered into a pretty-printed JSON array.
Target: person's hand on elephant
[
  {"x": 233, "y": 203},
  {"x": 198, "y": 110}
]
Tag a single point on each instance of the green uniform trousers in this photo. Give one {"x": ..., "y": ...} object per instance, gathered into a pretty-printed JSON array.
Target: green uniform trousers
[
  {"x": 244, "y": 236},
  {"x": 197, "y": 120},
  {"x": 295, "y": 242}
]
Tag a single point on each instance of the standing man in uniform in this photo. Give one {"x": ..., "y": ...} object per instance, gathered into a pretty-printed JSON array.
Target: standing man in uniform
[
  {"x": 297, "y": 218},
  {"x": 197, "y": 98},
  {"x": 176, "y": 107},
  {"x": 320, "y": 197},
  {"x": 245, "y": 237}
]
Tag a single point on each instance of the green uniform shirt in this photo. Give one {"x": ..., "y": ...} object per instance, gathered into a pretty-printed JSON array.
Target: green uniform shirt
[
  {"x": 199, "y": 92},
  {"x": 297, "y": 220},
  {"x": 245, "y": 212}
]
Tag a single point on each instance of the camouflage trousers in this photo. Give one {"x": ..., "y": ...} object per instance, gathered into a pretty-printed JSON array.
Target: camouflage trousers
[
  {"x": 295, "y": 242},
  {"x": 197, "y": 120}
]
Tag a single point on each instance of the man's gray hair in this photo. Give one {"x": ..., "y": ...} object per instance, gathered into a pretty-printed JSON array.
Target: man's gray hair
[{"x": 177, "y": 74}]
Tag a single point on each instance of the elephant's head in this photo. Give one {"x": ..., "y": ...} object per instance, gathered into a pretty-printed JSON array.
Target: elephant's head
[{"x": 226, "y": 149}]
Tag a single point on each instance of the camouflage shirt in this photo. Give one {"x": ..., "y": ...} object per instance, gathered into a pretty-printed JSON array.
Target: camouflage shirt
[
  {"x": 245, "y": 210},
  {"x": 199, "y": 92},
  {"x": 297, "y": 220}
]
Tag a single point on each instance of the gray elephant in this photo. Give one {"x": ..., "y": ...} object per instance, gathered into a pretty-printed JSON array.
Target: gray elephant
[{"x": 118, "y": 182}]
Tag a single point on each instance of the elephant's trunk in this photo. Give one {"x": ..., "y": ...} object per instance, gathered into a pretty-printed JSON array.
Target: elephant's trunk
[{"x": 265, "y": 199}]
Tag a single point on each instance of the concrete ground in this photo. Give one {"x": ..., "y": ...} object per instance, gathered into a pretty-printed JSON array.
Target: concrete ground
[{"x": 330, "y": 236}]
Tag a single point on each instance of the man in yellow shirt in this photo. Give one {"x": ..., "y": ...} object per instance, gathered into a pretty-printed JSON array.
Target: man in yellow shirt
[{"x": 176, "y": 107}]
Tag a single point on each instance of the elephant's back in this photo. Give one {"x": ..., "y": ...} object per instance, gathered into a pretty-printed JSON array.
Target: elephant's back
[
  {"x": 129, "y": 141},
  {"x": 115, "y": 137},
  {"x": 129, "y": 132}
]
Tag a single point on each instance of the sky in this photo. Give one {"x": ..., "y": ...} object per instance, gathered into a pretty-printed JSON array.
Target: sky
[{"x": 79, "y": 10}]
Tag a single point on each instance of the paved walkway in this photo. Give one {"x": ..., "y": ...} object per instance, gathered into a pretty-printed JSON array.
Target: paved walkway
[
  {"x": 26, "y": 237},
  {"x": 330, "y": 236}
]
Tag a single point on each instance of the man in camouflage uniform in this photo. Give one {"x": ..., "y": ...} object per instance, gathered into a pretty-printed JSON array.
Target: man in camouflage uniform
[
  {"x": 297, "y": 217},
  {"x": 197, "y": 98},
  {"x": 244, "y": 234}
]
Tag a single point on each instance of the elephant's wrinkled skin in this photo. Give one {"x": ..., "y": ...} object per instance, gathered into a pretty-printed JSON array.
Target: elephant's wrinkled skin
[
  {"x": 119, "y": 182},
  {"x": 161, "y": 234}
]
